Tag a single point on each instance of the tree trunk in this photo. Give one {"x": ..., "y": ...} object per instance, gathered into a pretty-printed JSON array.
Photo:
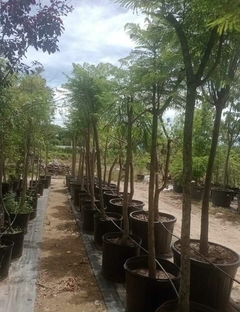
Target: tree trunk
[
  {"x": 105, "y": 161},
  {"x": 186, "y": 206},
  {"x": 119, "y": 174},
  {"x": 207, "y": 185},
  {"x": 151, "y": 193},
  {"x": 126, "y": 179},
  {"x": 1, "y": 174},
  {"x": 99, "y": 169},
  {"x": 25, "y": 172},
  {"x": 225, "y": 180},
  {"x": 46, "y": 160},
  {"x": 79, "y": 165},
  {"x": 90, "y": 185},
  {"x": 111, "y": 170},
  {"x": 74, "y": 151}
]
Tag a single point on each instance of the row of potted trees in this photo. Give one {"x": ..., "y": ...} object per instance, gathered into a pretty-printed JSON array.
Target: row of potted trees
[
  {"x": 16, "y": 218},
  {"x": 128, "y": 260}
]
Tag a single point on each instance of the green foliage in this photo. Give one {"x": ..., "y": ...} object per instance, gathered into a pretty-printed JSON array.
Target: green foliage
[{"x": 12, "y": 205}]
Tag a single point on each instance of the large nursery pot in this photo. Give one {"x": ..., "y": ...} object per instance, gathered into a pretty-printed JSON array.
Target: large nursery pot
[
  {"x": 102, "y": 227},
  {"x": 15, "y": 185},
  {"x": 17, "y": 237},
  {"x": 33, "y": 203},
  {"x": 114, "y": 255},
  {"x": 45, "y": 182},
  {"x": 105, "y": 188},
  {"x": 40, "y": 188},
  {"x": 116, "y": 205},
  {"x": 88, "y": 221},
  {"x": 210, "y": 286},
  {"x": 5, "y": 188},
  {"x": 108, "y": 195},
  {"x": 222, "y": 198},
  {"x": 139, "y": 226},
  {"x": 197, "y": 192},
  {"x": 76, "y": 191},
  {"x": 6, "y": 248},
  {"x": 147, "y": 294},
  {"x": 172, "y": 305},
  {"x": 20, "y": 220},
  {"x": 177, "y": 187},
  {"x": 238, "y": 201}
]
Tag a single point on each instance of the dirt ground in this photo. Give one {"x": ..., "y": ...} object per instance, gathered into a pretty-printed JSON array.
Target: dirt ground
[{"x": 66, "y": 282}]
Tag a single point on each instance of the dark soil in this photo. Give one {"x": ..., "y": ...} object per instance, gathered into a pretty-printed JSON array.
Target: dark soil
[
  {"x": 159, "y": 275},
  {"x": 118, "y": 241},
  {"x": 216, "y": 254},
  {"x": 144, "y": 217}
]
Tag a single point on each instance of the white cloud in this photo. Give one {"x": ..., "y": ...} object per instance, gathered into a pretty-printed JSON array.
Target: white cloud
[{"x": 94, "y": 33}]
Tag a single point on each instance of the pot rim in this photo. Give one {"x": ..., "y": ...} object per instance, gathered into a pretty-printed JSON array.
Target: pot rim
[
  {"x": 173, "y": 219},
  {"x": 206, "y": 263},
  {"x": 150, "y": 278}
]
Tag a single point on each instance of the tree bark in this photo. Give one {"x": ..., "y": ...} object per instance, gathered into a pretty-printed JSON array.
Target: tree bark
[
  {"x": 99, "y": 169},
  {"x": 186, "y": 206},
  {"x": 111, "y": 170},
  {"x": 207, "y": 185}
]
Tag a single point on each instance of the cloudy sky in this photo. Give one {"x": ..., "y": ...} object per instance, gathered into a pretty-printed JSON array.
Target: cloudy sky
[{"x": 94, "y": 33}]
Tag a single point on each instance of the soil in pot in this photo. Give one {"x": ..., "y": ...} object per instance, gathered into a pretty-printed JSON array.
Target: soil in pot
[
  {"x": 147, "y": 294},
  {"x": 222, "y": 198},
  {"x": 172, "y": 306},
  {"x": 139, "y": 226},
  {"x": 116, "y": 205},
  {"x": 5, "y": 257},
  {"x": 17, "y": 237},
  {"x": 114, "y": 255},
  {"x": 210, "y": 286},
  {"x": 102, "y": 227}
]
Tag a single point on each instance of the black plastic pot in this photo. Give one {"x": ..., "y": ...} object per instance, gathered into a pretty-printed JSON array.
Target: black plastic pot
[
  {"x": 115, "y": 255},
  {"x": 177, "y": 187},
  {"x": 140, "y": 177},
  {"x": 15, "y": 185},
  {"x": 197, "y": 192},
  {"x": 105, "y": 188},
  {"x": 115, "y": 207},
  {"x": 222, "y": 198},
  {"x": 5, "y": 257},
  {"x": 40, "y": 188},
  {"x": 5, "y": 188},
  {"x": 163, "y": 238},
  {"x": 20, "y": 220},
  {"x": 107, "y": 196},
  {"x": 170, "y": 306},
  {"x": 147, "y": 294},
  {"x": 33, "y": 203},
  {"x": 88, "y": 220},
  {"x": 17, "y": 238},
  {"x": 238, "y": 200},
  {"x": 84, "y": 198},
  {"x": 45, "y": 182},
  {"x": 76, "y": 191},
  {"x": 209, "y": 286},
  {"x": 102, "y": 227}
]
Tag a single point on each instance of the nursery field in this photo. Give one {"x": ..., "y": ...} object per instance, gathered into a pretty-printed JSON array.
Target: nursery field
[{"x": 66, "y": 280}]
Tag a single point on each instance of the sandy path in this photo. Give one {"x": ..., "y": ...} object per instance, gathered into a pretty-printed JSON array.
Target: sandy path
[
  {"x": 66, "y": 282},
  {"x": 224, "y": 226}
]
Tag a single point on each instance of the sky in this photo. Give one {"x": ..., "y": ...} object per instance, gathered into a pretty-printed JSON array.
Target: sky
[{"x": 94, "y": 33}]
